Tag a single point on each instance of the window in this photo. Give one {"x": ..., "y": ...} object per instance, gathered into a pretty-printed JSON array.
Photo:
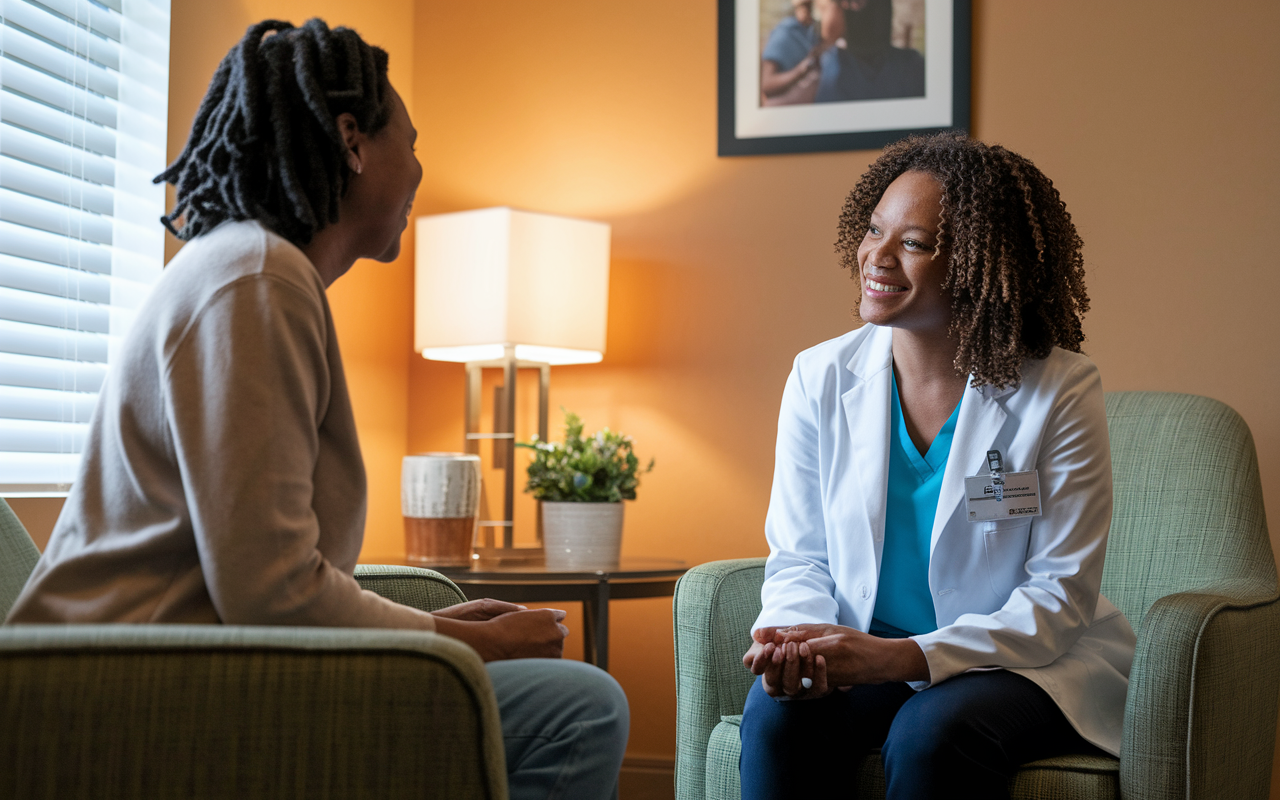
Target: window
[{"x": 83, "y": 104}]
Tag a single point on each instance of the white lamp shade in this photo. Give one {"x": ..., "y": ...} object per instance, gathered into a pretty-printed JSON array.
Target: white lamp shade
[{"x": 498, "y": 277}]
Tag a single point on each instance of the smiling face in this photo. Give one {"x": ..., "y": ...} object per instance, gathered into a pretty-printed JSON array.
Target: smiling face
[
  {"x": 901, "y": 277},
  {"x": 380, "y": 197}
]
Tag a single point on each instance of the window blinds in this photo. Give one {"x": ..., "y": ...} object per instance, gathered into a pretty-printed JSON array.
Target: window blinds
[{"x": 83, "y": 104}]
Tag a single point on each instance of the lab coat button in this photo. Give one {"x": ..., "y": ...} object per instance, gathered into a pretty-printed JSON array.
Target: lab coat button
[{"x": 866, "y": 592}]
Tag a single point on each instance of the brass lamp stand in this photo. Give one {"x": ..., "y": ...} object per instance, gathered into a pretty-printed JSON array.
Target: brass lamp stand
[{"x": 489, "y": 549}]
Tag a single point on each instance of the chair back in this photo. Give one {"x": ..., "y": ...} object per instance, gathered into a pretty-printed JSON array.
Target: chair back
[
  {"x": 1188, "y": 502},
  {"x": 18, "y": 556},
  {"x": 423, "y": 589}
]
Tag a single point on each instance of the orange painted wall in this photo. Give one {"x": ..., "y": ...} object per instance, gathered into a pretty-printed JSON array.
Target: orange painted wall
[{"x": 1156, "y": 119}]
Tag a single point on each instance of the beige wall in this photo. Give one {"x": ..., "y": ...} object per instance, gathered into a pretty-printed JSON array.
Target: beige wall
[{"x": 1157, "y": 121}]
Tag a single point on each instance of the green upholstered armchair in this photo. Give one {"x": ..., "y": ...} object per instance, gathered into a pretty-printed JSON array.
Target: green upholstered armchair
[
  {"x": 1190, "y": 564},
  {"x": 215, "y": 711}
]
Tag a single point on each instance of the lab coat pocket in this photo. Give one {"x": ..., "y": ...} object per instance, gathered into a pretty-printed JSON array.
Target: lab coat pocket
[{"x": 1006, "y": 543}]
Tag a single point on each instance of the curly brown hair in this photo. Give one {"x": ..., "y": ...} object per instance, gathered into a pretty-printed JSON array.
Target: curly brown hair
[{"x": 1015, "y": 271}]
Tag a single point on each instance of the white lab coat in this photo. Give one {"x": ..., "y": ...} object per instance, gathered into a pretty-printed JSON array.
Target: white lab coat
[{"x": 1022, "y": 594}]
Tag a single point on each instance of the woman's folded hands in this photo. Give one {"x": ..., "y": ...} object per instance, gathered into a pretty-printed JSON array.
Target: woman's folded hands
[{"x": 811, "y": 660}]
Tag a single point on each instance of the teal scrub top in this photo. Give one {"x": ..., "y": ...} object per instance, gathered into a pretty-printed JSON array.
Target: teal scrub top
[{"x": 904, "y": 604}]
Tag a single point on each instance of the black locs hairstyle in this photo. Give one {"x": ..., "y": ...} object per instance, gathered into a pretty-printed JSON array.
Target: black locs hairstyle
[
  {"x": 1015, "y": 271},
  {"x": 265, "y": 144}
]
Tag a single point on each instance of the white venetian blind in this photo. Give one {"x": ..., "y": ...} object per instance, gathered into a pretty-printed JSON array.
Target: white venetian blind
[{"x": 83, "y": 102}]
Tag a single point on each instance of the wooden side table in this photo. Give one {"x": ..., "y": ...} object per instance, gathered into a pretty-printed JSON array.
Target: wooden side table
[{"x": 634, "y": 577}]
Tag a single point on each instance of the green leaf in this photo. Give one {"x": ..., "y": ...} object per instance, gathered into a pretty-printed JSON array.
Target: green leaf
[{"x": 599, "y": 468}]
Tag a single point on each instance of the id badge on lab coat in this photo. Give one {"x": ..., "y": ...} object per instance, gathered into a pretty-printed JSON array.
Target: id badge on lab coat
[{"x": 1018, "y": 497}]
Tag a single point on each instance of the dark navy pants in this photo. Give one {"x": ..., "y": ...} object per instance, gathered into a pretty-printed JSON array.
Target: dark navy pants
[{"x": 962, "y": 738}]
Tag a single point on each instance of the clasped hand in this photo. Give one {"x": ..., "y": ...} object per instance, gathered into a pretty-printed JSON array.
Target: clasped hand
[
  {"x": 830, "y": 657},
  {"x": 499, "y": 631}
]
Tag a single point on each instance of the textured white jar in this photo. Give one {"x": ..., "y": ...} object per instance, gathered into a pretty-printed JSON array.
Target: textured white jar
[
  {"x": 440, "y": 485},
  {"x": 582, "y": 535}
]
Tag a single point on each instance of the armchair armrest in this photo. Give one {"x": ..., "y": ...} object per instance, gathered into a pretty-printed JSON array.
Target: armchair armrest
[
  {"x": 209, "y": 711},
  {"x": 423, "y": 589},
  {"x": 1203, "y": 685},
  {"x": 714, "y": 606}
]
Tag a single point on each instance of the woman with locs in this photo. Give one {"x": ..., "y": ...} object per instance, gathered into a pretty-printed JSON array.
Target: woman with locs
[
  {"x": 222, "y": 480},
  {"x": 905, "y": 607}
]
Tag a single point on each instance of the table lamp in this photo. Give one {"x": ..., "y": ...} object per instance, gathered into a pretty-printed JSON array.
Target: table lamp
[{"x": 507, "y": 289}]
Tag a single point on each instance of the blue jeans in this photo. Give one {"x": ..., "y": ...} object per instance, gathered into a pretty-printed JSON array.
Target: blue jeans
[
  {"x": 964, "y": 737},
  {"x": 564, "y": 727}
]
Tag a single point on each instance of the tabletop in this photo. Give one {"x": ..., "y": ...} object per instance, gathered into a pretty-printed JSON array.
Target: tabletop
[
  {"x": 628, "y": 570},
  {"x": 594, "y": 588}
]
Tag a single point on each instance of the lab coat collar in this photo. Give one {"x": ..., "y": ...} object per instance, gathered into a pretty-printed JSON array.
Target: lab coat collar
[
  {"x": 867, "y": 407},
  {"x": 992, "y": 393},
  {"x": 867, "y": 414},
  {"x": 874, "y": 352}
]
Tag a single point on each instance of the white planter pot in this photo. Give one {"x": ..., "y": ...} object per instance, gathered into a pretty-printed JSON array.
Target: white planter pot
[{"x": 582, "y": 535}]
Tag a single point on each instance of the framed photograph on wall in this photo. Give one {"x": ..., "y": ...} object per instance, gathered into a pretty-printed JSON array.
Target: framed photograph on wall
[{"x": 806, "y": 76}]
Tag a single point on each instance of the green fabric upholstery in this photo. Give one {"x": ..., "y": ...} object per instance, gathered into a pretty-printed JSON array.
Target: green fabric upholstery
[
  {"x": 1189, "y": 561},
  {"x": 723, "y": 747},
  {"x": 18, "y": 556},
  {"x": 216, "y": 711},
  {"x": 714, "y": 607},
  {"x": 1190, "y": 557},
  {"x": 1188, "y": 502},
  {"x": 1067, "y": 778},
  {"x": 424, "y": 589}
]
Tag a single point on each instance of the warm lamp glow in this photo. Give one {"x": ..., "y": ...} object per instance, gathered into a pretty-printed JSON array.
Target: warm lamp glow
[
  {"x": 554, "y": 356},
  {"x": 497, "y": 277}
]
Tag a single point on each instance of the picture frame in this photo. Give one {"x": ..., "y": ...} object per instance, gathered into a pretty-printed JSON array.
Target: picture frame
[{"x": 833, "y": 121}]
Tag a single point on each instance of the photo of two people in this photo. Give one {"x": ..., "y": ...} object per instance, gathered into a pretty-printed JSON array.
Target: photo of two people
[{"x": 831, "y": 51}]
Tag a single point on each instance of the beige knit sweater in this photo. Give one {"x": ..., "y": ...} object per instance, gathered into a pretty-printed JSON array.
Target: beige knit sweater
[{"x": 222, "y": 478}]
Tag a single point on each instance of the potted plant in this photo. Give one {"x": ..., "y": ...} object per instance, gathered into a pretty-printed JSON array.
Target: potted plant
[{"x": 581, "y": 484}]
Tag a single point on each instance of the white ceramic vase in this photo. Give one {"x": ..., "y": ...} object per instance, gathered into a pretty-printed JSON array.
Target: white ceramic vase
[{"x": 582, "y": 535}]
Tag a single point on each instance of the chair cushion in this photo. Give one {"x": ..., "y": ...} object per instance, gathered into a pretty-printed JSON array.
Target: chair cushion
[
  {"x": 1075, "y": 777},
  {"x": 1067, "y": 778}
]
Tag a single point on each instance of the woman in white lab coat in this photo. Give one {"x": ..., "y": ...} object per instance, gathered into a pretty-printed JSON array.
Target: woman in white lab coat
[{"x": 904, "y": 607}]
